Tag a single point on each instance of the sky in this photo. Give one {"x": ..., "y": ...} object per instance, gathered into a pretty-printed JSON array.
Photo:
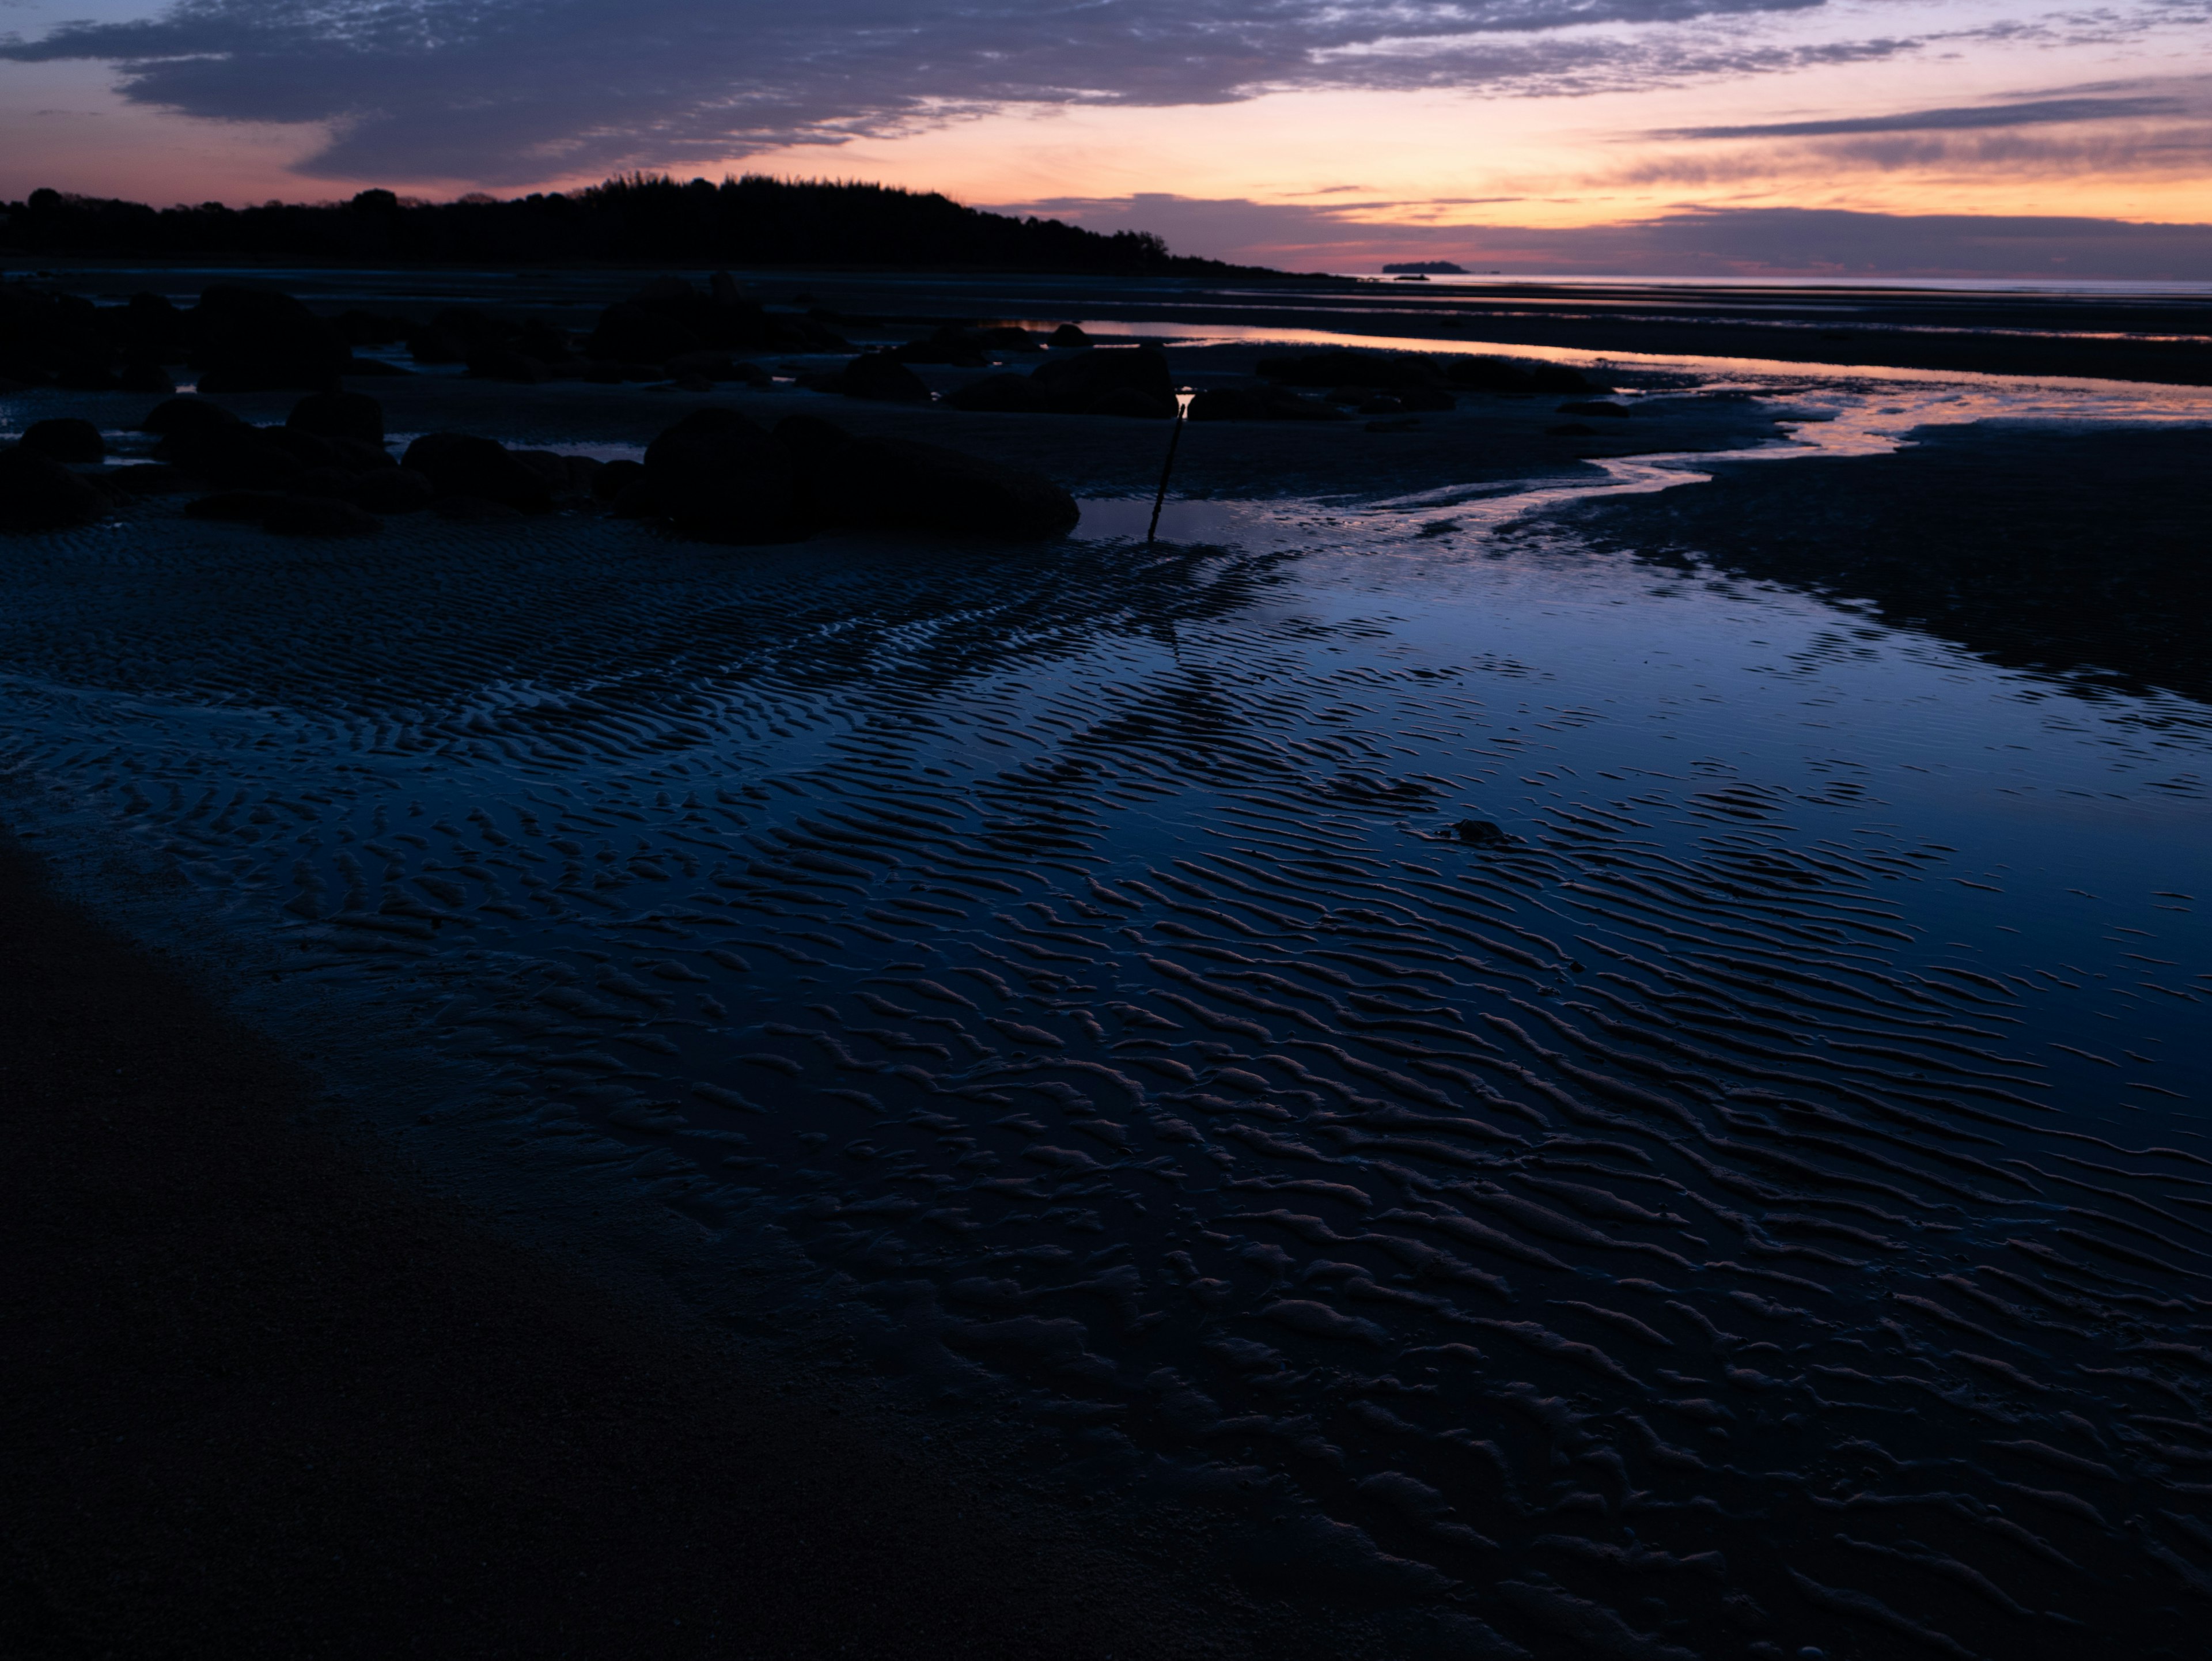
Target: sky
[{"x": 1693, "y": 136}]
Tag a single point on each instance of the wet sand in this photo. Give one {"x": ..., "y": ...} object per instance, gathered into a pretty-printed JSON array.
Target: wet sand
[
  {"x": 1747, "y": 1203},
  {"x": 267, "y": 1395}
]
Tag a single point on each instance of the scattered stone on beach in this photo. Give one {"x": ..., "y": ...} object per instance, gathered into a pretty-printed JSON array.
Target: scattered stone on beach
[
  {"x": 65, "y": 438},
  {"x": 1347, "y": 368},
  {"x": 1591, "y": 406},
  {"x": 1262, "y": 403},
  {"x": 998, "y": 394},
  {"x": 897, "y": 484},
  {"x": 38, "y": 493},
  {"x": 1499, "y": 374},
  {"x": 1079, "y": 384},
  {"x": 718, "y": 476},
  {"x": 250, "y": 339},
  {"x": 1481, "y": 833},
  {"x": 177, "y": 415},
  {"x": 462, "y": 465},
  {"x": 339, "y": 415},
  {"x": 877, "y": 376},
  {"x": 721, "y": 477}
]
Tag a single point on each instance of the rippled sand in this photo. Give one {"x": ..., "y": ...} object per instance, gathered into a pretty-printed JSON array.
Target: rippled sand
[{"x": 1759, "y": 1204}]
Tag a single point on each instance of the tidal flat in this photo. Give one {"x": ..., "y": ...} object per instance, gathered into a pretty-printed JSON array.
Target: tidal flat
[{"x": 1507, "y": 1043}]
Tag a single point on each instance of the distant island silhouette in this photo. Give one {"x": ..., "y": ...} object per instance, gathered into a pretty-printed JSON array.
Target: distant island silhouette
[
  {"x": 1425, "y": 268},
  {"x": 635, "y": 219}
]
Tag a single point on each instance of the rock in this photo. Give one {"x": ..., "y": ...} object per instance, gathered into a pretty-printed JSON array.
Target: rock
[
  {"x": 462, "y": 465},
  {"x": 339, "y": 415},
  {"x": 721, "y": 477},
  {"x": 569, "y": 478},
  {"x": 186, "y": 415},
  {"x": 896, "y": 484},
  {"x": 627, "y": 331},
  {"x": 318, "y": 516},
  {"x": 1498, "y": 374},
  {"x": 65, "y": 438},
  {"x": 390, "y": 490},
  {"x": 692, "y": 383},
  {"x": 1013, "y": 394},
  {"x": 882, "y": 378},
  {"x": 145, "y": 377},
  {"x": 252, "y": 340},
  {"x": 719, "y": 366},
  {"x": 505, "y": 364},
  {"x": 1258, "y": 404},
  {"x": 950, "y": 343},
  {"x": 1128, "y": 401},
  {"x": 38, "y": 493},
  {"x": 1594, "y": 407},
  {"x": 1379, "y": 370},
  {"x": 1076, "y": 384},
  {"x": 1067, "y": 336},
  {"x": 234, "y": 507},
  {"x": 615, "y": 478},
  {"x": 1481, "y": 833},
  {"x": 240, "y": 457}
]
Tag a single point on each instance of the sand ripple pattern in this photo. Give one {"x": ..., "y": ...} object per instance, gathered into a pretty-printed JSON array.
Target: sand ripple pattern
[{"x": 1627, "y": 1242}]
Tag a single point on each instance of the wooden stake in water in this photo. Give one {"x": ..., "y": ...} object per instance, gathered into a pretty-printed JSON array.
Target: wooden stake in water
[{"x": 1152, "y": 529}]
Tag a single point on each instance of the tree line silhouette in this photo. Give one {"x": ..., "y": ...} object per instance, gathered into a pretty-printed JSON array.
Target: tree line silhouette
[{"x": 634, "y": 219}]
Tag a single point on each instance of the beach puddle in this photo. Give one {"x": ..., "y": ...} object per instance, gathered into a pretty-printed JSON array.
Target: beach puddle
[{"x": 1650, "y": 1107}]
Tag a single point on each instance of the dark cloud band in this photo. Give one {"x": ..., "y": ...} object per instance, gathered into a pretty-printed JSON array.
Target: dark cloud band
[{"x": 514, "y": 91}]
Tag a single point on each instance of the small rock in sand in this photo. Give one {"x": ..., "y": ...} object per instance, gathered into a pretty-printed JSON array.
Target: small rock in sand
[
  {"x": 38, "y": 493},
  {"x": 65, "y": 438}
]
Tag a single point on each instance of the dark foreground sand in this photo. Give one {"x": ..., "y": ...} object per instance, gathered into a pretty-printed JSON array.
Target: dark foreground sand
[{"x": 265, "y": 1398}]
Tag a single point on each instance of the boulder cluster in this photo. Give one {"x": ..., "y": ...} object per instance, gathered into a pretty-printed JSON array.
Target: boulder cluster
[
  {"x": 668, "y": 329},
  {"x": 1078, "y": 378},
  {"x": 722, "y": 476},
  {"x": 237, "y": 339},
  {"x": 244, "y": 338},
  {"x": 716, "y": 475}
]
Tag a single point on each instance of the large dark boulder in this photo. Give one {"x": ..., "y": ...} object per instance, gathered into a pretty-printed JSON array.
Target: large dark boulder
[
  {"x": 1068, "y": 337},
  {"x": 1259, "y": 403},
  {"x": 47, "y": 336},
  {"x": 721, "y": 477},
  {"x": 462, "y": 465},
  {"x": 339, "y": 415},
  {"x": 1079, "y": 383},
  {"x": 1498, "y": 374},
  {"x": 882, "y": 378},
  {"x": 629, "y": 332},
  {"x": 239, "y": 457},
  {"x": 176, "y": 416},
  {"x": 902, "y": 484},
  {"x": 38, "y": 493},
  {"x": 1341, "y": 368},
  {"x": 65, "y": 438},
  {"x": 252, "y": 340}
]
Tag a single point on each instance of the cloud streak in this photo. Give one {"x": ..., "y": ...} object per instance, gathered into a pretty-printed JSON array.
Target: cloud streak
[
  {"x": 514, "y": 91},
  {"x": 2033, "y": 112}
]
